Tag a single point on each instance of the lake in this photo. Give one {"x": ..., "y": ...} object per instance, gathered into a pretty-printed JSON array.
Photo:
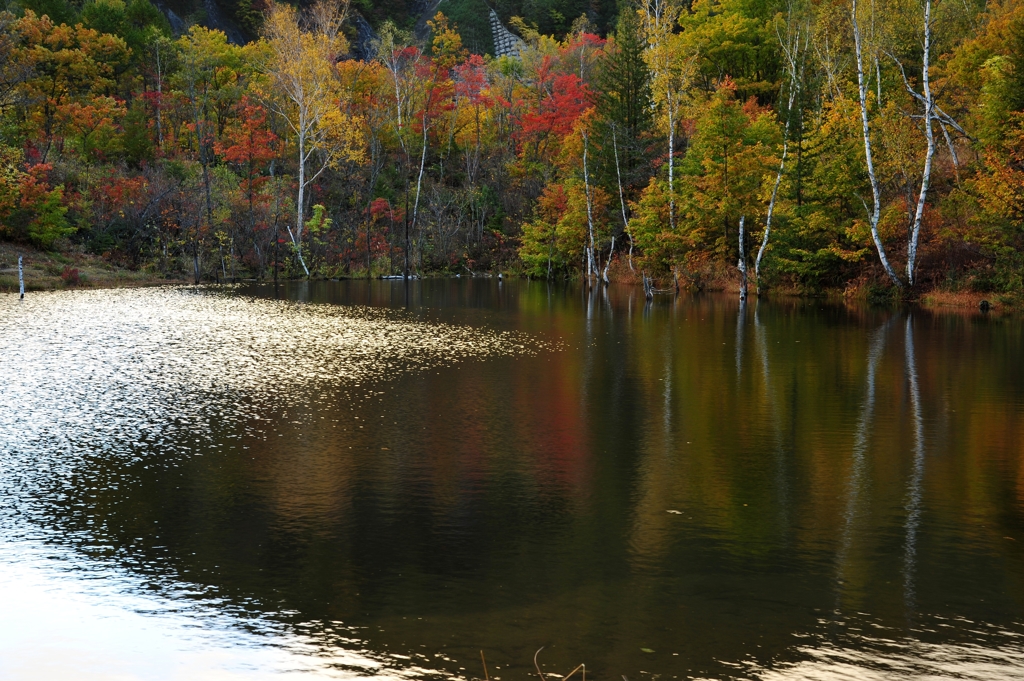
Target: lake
[{"x": 383, "y": 479}]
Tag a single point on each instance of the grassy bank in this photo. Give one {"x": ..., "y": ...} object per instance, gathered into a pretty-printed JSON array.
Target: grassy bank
[{"x": 46, "y": 271}]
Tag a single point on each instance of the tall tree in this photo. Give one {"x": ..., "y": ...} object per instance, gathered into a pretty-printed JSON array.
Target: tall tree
[
  {"x": 304, "y": 92},
  {"x": 672, "y": 68},
  {"x": 793, "y": 53},
  {"x": 624, "y": 107},
  {"x": 875, "y": 212}
]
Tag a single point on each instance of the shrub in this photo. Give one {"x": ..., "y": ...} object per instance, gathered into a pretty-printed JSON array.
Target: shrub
[{"x": 70, "y": 276}]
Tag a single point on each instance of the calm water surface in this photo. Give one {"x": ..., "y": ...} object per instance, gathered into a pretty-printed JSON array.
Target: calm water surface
[{"x": 383, "y": 479}]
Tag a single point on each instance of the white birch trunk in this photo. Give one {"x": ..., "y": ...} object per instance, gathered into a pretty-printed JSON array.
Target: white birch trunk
[
  {"x": 878, "y": 82},
  {"x": 591, "y": 265},
  {"x": 398, "y": 100},
  {"x": 771, "y": 209},
  {"x": 929, "y": 113},
  {"x": 298, "y": 248},
  {"x": 21, "y": 280},
  {"x": 419, "y": 178},
  {"x": 622, "y": 202},
  {"x": 875, "y": 213},
  {"x": 296, "y": 236},
  {"x": 618, "y": 175},
  {"x": 671, "y": 161},
  {"x": 792, "y": 56}
]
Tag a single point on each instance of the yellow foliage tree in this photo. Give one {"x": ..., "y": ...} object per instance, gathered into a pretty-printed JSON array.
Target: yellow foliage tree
[{"x": 303, "y": 87}]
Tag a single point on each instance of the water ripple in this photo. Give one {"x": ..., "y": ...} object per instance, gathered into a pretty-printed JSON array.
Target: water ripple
[{"x": 130, "y": 379}]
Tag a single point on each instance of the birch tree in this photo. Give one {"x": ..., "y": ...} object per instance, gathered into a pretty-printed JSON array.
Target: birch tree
[
  {"x": 439, "y": 90},
  {"x": 791, "y": 51},
  {"x": 932, "y": 114},
  {"x": 671, "y": 68},
  {"x": 929, "y": 112},
  {"x": 304, "y": 91},
  {"x": 401, "y": 61},
  {"x": 876, "y": 191},
  {"x": 592, "y": 270}
]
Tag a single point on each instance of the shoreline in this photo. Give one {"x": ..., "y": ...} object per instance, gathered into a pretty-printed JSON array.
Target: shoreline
[{"x": 56, "y": 271}]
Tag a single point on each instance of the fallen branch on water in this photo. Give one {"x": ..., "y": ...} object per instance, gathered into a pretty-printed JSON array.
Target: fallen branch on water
[{"x": 580, "y": 667}]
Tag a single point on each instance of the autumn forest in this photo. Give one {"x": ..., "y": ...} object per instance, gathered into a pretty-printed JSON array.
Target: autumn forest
[{"x": 869, "y": 147}]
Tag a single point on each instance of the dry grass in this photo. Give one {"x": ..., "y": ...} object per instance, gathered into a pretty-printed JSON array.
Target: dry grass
[
  {"x": 968, "y": 300},
  {"x": 50, "y": 271}
]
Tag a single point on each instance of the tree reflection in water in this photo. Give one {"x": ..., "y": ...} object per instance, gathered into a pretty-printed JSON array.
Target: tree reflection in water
[{"x": 590, "y": 475}]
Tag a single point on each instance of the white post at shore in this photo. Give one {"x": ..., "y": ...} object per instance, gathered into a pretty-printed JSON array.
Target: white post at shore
[{"x": 21, "y": 278}]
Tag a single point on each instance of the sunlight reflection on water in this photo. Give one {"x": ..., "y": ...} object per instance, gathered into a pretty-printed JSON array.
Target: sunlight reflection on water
[
  {"x": 879, "y": 658},
  {"x": 144, "y": 372},
  {"x": 102, "y": 626},
  {"x": 107, "y": 396},
  {"x": 99, "y": 372}
]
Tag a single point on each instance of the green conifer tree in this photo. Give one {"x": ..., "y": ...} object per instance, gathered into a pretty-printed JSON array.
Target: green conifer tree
[{"x": 625, "y": 111}]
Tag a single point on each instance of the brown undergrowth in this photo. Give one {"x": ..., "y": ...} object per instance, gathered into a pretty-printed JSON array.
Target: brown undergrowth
[{"x": 47, "y": 271}]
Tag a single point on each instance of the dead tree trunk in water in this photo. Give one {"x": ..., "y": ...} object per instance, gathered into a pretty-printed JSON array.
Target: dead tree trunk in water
[{"x": 607, "y": 264}]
